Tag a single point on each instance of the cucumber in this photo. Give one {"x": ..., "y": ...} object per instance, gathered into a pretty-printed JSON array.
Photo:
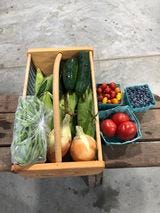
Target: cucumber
[
  {"x": 61, "y": 85},
  {"x": 83, "y": 76},
  {"x": 70, "y": 70}
]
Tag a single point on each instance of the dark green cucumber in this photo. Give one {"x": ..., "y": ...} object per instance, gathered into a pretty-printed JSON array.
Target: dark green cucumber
[
  {"x": 61, "y": 85},
  {"x": 83, "y": 76},
  {"x": 70, "y": 70}
]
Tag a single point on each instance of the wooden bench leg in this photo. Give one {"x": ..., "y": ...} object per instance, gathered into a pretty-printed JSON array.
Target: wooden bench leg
[{"x": 94, "y": 180}]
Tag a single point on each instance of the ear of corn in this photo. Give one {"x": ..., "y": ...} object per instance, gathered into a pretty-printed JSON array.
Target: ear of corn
[
  {"x": 85, "y": 115},
  {"x": 62, "y": 107},
  {"x": 43, "y": 85},
  {"x": 71, "y": 102},
  {"x": 39, "y": 80},
  {"x": 47, "y": 99},
  {"x": 49, "y": 84}
]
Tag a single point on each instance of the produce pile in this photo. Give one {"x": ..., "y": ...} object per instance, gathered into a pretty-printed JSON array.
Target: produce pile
[
  {"x": 76, "y": 110},
  {"x": 109, "y": 93},
  {"x": 139, "y": 96},
  {"x": 119, "y": 125},
  {"x": 33, "y": 136}
]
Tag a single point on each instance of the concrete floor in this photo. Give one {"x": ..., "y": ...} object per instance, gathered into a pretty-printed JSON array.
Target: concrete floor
[{"x": 126, "y": 38}]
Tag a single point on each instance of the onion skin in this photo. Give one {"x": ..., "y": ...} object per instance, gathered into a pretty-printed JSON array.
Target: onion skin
[
  {"x": 83, "y": 147},
  {"x": 66, "y": 139}
]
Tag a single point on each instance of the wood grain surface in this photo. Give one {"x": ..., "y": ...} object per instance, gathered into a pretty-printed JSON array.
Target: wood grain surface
[
  {"x": 144, "y": 153},
  {"x": 8, "y": 103}
]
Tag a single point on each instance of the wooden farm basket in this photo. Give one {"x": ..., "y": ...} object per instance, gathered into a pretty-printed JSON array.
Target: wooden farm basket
[{"x": 48, "y": 60}]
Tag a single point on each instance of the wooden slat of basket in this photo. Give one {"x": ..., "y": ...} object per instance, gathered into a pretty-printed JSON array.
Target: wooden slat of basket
[
  {"x": 144, "y": 154},
  {"x": 27, "y": 75},
  {"x": 57, "y": 50},
  {"x": 61, "y": 169},
  {"x": 56, "y": 116},
  {"x": 98, "y": 139},
  {"x": 44, "y": 57}
]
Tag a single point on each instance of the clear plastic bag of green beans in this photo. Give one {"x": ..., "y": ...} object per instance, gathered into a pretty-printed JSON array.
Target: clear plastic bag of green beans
[{"x": 31, "y": 129}]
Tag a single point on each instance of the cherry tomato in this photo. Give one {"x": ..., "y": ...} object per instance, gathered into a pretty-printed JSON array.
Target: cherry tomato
[
  {"x": 113, "y": 94},
  {"x": 100, "y": 98},
  {"x": 107, "y": 89},
  {"x": 114, "y": 101},
  {"x": 109, "y": 101},
  {"x": 119, "y": 96},
  {"x": 105, "y": 99},
  {"x": 127, "y": 130},
  {"x": 117, "y": 90},
  {"x": 99, "y": 90},
  {"x": 112, "y": 85},
  {"x": 120, "y": 117},
  {"x": 108, "y": 127},
  {"x": 104, "y": 86},
  {"x": 108, "y": 96}
]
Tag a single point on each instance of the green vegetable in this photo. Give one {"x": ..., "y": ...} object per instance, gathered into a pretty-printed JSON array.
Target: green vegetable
[
  {"x": 68, "y": 105},
  {"x": 71, "y": 102},
  {"x": 47, "y": 99},
  {"x": 46, "y": 85},
  {"x": 85, "y": 115},
  {"x": 61, "y": 85},
  {"x": 70, "y": 70},
  {"x": 62, "y": 107},
  {"x": 73, "y": 124},
  {"x": 83, "y": 76},
  {"x": 39, "y": 80},
  {"x": 31, "y": 131},
  {"x": 49, "y": 84}
]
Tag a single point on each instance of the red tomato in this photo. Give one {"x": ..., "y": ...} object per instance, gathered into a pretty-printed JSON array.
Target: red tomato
[
  {"x": 127, "y": 130},
  {"x": 108, "y": 96},
  {"x": 107, "y": 90},
  {"x": 120, "y": 117},
  {"x": 100, "y": 98},
  {"x": 104, "y": 86},
  {"x": 113, "y": 94},
  {"x": 99, "y": 90},
  {"x": 108, "y": 127},
  {"x": 112, "y": 85}
]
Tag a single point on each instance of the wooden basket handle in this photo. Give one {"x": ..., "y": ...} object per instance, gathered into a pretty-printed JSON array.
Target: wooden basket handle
[
  {"x": 26, "y": 75},
  {"x": 56, "y": 113}
]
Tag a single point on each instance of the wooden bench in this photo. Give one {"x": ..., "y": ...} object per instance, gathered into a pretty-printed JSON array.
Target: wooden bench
[{"x": 146, "y": 153}]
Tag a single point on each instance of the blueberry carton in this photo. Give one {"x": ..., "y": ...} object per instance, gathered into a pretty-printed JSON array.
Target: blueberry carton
[{"x": 139, "y": 98}]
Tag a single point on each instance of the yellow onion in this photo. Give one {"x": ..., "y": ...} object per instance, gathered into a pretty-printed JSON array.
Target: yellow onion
[
  {"x": 83, "y": 147},
  {"x": 66, "y": 138}
]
